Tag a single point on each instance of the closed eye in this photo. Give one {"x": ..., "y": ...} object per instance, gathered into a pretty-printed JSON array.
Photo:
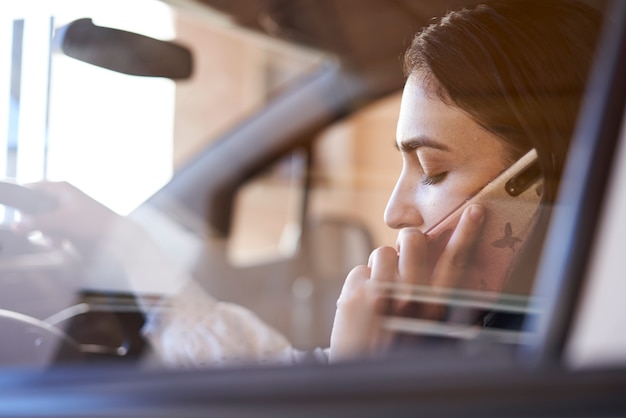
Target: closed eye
[{"x": 432, "y": 180}]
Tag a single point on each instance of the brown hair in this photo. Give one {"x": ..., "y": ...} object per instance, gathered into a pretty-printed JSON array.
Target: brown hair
[{"x": 518, "y": 68}]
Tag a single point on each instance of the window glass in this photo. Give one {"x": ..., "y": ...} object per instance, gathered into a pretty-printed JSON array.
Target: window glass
[
  {"x": 353, "y": 170},
  {"x": 355, "y": 167},
  {"x": 72, "y": 121},
  {"x": 267, "y": 215},
  {"x": 184, "y": 248}
]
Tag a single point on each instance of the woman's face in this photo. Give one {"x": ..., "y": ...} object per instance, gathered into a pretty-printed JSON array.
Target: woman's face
[{"x": 446, "y": 157}]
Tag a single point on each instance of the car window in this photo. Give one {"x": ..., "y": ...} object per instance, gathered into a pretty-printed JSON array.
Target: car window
[
  {"x": 69, "y": 120},
  {"x": 238, "y": 200},
  {"x": 349, "y": 177},
  {"x": 149, "y": 112}
]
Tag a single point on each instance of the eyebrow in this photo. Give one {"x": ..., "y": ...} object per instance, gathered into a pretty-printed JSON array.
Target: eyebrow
[{"x": 410, "y": 145}]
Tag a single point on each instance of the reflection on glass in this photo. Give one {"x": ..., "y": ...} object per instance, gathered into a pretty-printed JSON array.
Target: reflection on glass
[{"x": 332, "y": 295}]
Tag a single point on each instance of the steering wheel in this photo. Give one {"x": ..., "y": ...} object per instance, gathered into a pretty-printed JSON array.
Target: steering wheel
[{"x": 27, "y": 339}]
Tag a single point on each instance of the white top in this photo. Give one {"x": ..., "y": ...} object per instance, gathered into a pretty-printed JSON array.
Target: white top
[
  {"x": 196, "y": 330},
  {"x": 191, "y": 328}
]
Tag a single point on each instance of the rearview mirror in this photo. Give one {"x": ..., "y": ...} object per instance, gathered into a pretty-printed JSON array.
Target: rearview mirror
[{"x": 122, "y": 51}]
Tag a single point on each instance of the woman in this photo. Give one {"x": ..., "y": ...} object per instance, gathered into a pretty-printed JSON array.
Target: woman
[{"x": 485, "y": 85}]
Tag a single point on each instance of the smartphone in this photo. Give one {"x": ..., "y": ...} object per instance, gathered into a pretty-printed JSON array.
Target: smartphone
[{"x": 511, "y": 201}]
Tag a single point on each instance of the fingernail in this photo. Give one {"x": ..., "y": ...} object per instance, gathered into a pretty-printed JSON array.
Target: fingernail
[{"x": 477, "y": 213}]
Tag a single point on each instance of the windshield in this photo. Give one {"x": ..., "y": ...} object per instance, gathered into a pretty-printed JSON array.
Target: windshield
[{"x": 125, "y": 115}]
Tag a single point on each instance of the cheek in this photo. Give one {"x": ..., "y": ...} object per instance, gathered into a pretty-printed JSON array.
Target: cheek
[
  {"x": 437, "y": 202},
  {"x": 434, "y": 203}
]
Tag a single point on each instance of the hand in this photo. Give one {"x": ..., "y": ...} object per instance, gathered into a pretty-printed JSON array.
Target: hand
[
  {"x": 357, "y": 329},
  {"x": 77, "y": 217}
]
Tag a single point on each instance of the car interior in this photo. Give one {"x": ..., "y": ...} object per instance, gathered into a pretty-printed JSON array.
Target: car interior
[{"x": 254, "y": 142}]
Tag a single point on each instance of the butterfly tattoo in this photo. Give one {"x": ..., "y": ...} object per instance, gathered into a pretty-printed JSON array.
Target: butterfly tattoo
[{"x": 508, "y": 240}]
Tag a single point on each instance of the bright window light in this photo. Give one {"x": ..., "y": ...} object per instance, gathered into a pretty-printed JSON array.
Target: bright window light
[{"x": 109, "y": 134}]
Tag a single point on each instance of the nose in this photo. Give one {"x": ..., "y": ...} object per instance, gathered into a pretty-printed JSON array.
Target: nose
[{"x": 402, "y": 210}]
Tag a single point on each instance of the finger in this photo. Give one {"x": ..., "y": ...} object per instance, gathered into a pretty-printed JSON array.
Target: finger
[
  {"x": 352, "y": 287},
  {"x": 455, "y": 260},
  {"x": 384, "y": 266},
  {"x": 61, "y": 191},
  {"x": 412, "y": 262},
  {"x": 77, "y": 216},
  {"x": 50, "y": 188},
  {"x": 47, "y": 185},
  {"x": 355, "y": 323},
  {"x": 456, "y": 257},
  {"x": 43, "y": 220}
]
